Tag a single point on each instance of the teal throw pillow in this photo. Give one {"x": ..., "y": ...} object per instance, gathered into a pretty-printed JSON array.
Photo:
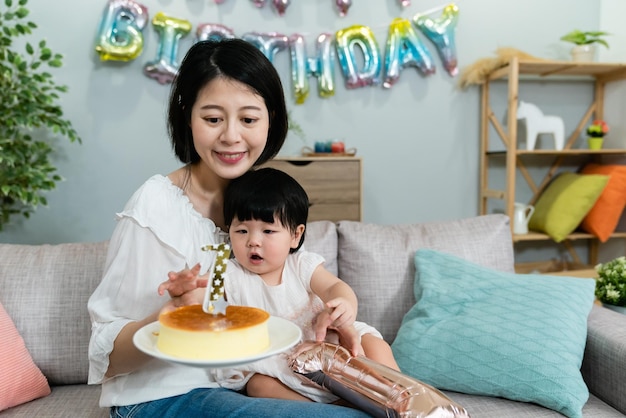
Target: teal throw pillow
[{"x": 480, "y": 331}]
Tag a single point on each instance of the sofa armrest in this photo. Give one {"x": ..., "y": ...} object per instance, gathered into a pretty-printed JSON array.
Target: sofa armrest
[{"x": 604, "y": 364}]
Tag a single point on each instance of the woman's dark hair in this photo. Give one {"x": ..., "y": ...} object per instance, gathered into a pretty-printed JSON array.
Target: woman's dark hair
[
  {"x": 234, "y": 59},
  {"x": 267, "y": 194}
]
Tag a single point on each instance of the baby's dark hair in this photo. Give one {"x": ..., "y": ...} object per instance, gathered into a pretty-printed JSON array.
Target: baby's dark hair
[{"x": 267, "y": 194}]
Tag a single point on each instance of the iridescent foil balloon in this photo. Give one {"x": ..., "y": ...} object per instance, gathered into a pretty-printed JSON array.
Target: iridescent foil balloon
[
  {"x": 268, "y": 43},
  {"x": 362, "y": 37},
  {"x": 441, "y": 33},
  {"x": 120, "y": 36},
  {"x": 170, "y": 30},
  {"x": 343, "y": 6},
  {"x": 281, "y": 6},
  {"x": 213, "y": 32},
  {"x": 320, "y": 66},
  {"x": 404, "y": 48}
]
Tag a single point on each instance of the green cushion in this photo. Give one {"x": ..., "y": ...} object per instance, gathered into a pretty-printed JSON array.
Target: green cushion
[
  {"x": 565, "y": 203},
  {"x": 480, "y": 331}
]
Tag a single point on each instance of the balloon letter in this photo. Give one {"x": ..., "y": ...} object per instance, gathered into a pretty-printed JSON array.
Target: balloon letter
[
  {"x": 441, "y": 34},
  {"x": 404, "y": 48},
  {"x": 119, "y": 36},
  {"x": 362, "y": 37},
  {"x": 170, "y": 30},
  {"x": 299, "y": 70},
  {"x": 268, "y": 43},
  {"x": 343, "y": 6},
  {"x": 324, "y": 65},
  {"x": 214, "y": 32},
  {"x": 321, "y": 67}
]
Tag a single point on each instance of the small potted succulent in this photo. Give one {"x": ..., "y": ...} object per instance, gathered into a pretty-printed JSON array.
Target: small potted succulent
[
  {"x": 596, "y": 132},
  {"x": 584, "y": 43},
  {"x": 611, "y": 284}
]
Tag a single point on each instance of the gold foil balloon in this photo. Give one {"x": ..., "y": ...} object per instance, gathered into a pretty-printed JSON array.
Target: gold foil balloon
[
  {"x": 120, "y": 36},
  {"x": 370, "y": 386}
]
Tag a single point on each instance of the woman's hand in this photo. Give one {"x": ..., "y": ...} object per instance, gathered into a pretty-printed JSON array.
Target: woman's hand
[{"x": 184, "y": 287}]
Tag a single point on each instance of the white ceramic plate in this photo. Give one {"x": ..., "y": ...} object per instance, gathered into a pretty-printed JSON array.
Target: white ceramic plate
[{"x": 283, "y": 335}]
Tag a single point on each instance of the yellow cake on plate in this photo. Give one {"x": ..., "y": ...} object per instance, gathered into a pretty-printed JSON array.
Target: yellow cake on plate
[{"x": 190, "y": 333}]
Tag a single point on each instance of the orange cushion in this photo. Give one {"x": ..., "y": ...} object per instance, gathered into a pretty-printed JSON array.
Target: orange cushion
[
  {"x": 20, "y": 380},
  {"x": 603, "y": 217}
]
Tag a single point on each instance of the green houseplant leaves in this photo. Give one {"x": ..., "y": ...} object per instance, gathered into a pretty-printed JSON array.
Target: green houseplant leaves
[
  {"x": 579, "y": 37},
  {"x": 28, "y": 104}
]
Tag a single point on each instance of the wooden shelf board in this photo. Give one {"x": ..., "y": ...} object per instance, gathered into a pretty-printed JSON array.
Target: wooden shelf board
[
  {"x": 554, "y": 267},
  {"x": 538, "y": 236},
  {"x": 579, "y": 151},
  {"x": 546, "y": 68}
]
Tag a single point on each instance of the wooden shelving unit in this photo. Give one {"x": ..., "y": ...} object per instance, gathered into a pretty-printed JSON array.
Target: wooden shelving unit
[{"x": 516, "y": 160}]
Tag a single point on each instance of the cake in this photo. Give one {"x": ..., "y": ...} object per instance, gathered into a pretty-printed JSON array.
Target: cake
[{"x": 190, "y": 333}]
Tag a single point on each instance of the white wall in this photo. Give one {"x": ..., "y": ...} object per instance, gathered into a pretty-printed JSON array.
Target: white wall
[{"x": 418, "y": 139}]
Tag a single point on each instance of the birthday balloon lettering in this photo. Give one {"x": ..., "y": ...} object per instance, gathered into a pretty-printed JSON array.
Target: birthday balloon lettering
[
  {"x": 441, "y": 33},
  {"x": 347, "y": 41},
  {"x": 170, "y": 30},
  {"x": 320, "y": 66},
  {"x": 120, "y": 36},
  {"x": 268, "y": 43},
  {"x": 404, "y": 48},
  {"x": 213, "y": 32}
]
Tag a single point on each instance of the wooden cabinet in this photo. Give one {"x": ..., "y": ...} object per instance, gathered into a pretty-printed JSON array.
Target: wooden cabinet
[
  {"x": 516, "y": 161},
  {"x": 334, "y": 185}
]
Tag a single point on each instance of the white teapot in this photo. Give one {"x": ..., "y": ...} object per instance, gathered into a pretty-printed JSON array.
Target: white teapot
[{"x": 521, "y": 216}]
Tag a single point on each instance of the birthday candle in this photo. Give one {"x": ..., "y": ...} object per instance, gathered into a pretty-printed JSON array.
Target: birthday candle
[{"x": 214, "y": 301}]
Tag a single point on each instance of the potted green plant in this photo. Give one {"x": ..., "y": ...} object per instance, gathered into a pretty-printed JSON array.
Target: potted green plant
[
  {"x": 584, "y": 43},
  {"x": 29, "y": 114},
  {"x": 611, "y": 284}
]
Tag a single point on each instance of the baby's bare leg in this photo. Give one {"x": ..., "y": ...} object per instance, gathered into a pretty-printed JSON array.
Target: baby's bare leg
[
  {"x": 263, "y": 386},
  {"x": 378, "y": 350}
]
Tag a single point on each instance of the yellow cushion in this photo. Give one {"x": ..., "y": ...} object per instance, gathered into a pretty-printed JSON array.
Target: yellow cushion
[{"x": 565, "y": 202}]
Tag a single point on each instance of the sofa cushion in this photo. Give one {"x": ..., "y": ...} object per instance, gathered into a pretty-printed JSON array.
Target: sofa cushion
[
  {"x": 321, "y": 238},
  {"x": 20, "y": 380},
  {"x": 377, "y": 260},
  {"x": 45, "y": 289},
  {"x": 565, "y": 202},
  {"x": 480, "y": 331},
  {"x": 604, "y": 216}
]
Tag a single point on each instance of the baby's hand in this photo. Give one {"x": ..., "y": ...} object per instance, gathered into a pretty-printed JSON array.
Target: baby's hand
[
  {"x": 182, "y": 286},
  {"x": 341, "y": 312},
  {"x": 350, "y": 339}
]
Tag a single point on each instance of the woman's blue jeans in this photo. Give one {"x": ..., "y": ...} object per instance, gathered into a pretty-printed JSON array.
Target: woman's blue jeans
[{"x": 221, "y": 403}]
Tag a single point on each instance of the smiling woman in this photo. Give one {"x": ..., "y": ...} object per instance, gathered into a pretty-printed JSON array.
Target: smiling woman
[{"x": 234, "y": 99}]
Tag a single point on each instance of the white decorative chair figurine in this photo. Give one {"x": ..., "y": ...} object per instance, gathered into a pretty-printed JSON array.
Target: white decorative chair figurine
[{"x": 537, "y": 123}]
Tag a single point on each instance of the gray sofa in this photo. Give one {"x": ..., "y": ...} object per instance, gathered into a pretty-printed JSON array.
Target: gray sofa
[{"x": 45, "y": 288}]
